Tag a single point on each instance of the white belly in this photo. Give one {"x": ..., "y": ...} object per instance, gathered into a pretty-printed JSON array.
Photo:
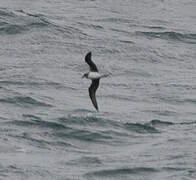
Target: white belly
[{"x": 94, "y": 75}]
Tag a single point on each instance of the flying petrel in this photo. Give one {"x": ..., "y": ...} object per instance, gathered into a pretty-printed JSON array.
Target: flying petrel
[{"x": 95, "y": 76}]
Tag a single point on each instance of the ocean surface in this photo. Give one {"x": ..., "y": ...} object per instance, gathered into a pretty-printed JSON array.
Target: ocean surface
[{"x": 146, "y": 126}]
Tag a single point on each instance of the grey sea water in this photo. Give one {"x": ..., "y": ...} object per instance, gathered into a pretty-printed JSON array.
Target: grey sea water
[{"x": 146, "y": 126}]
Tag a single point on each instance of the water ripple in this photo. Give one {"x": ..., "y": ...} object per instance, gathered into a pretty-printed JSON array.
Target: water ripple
[
  {"x": 170, "y": 35},
  {"x": 25, "y": 101}
]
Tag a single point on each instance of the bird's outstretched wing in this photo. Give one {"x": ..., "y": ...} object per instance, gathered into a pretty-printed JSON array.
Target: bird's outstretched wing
[
  {"x": 92, "y": 92},
  {"x": 92, "y": 65}
]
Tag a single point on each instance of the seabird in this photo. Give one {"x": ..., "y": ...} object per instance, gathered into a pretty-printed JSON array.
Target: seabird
[{"x": 95, "y": 76}]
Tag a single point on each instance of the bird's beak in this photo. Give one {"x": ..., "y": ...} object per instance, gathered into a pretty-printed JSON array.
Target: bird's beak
[{"x": 83, "y": 76}]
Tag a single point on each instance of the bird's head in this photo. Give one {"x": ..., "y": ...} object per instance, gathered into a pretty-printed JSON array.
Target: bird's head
[{"x": 85, "y": 75}]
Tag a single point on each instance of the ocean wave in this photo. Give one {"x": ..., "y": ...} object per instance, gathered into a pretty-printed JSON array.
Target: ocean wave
[
  {"x": 11, "y": 169},
  {"x": 12, "y": 29},
  {"x": 162, "y": 112},
  {"x": 111, "y": 130},
  {"x": 110, "y": 127},
  {"x": 19, "y": 22},
  {"x": 87, "y": 128},
  {"x": 189, "y": 100},
  {"x": 120, "y": 97},
  {"x": 90, "y": 129},
  {"x": 5, "y": 12},
  {"x": 155, "y": 27},
  {"x": 16, "y": 22},
  {"x": 173, "y": 169},
  {"x": 157, "y": 122},
  {"x": 44, "y": 138},
  {"x": 85, "y": 160},
  {"x": 25, "y": 101},
  {"x": 41, "y": 141},
  {"x": 88, "y": 121},
  {"x": 65, "y": 130},
  {"x": 36, "y": 142},
  {"x": 122, "y": 171},
  {"x": 187, "y": 123},
  {"x": 91, "y": 26},
  {"x": 169, "y": 35},
  {"x": 116, "y": 20},
  {"x": 36, "y": 121},
  {"x": 40, "y": 83},
  {"x": 85, "y": 135},
  {"x": 19, "y": 172},
  {"x": 141, "y": 128},
  {"x": 175, "y": 99}
]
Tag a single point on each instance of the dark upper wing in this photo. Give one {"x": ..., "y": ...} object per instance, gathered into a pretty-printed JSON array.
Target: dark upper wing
[
  {"x": 92, "y": 92},
  {"x": 92, "y": 65}
]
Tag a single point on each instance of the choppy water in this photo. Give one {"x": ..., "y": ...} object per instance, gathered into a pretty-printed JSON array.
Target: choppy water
[{"x": 146, "y": 126}]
